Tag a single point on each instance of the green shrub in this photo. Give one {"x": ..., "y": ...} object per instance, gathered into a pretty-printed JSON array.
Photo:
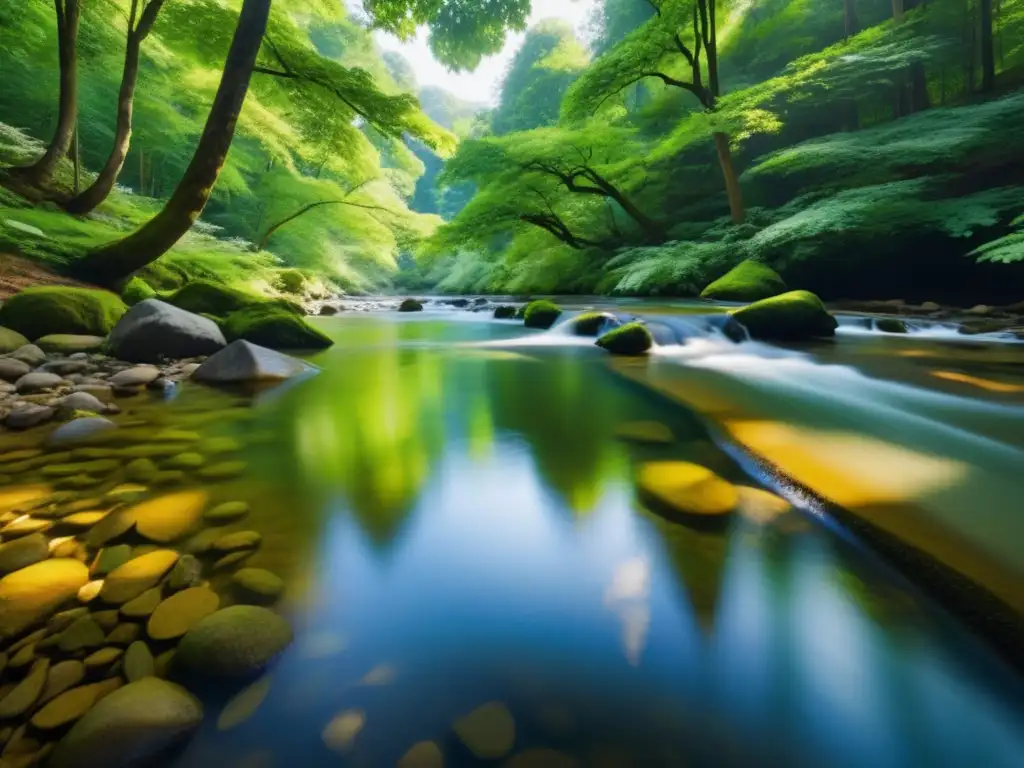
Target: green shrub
[
  {"x": 270, "y": 326},
  {"x": 291, "y": 281},
  {"x": 630, "y": 339},
  {"x": 46, "y": 310},
  {"x": 541, "y": 314},
  {"x": 790, "y": 316},
  {"x": 748, "y": 281},
  {"x": 136, "y": 290}
]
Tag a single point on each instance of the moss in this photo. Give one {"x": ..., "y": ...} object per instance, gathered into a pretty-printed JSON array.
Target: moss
[
  {"x": 629, "y": 339},
  {"x": 541, "y": 314},
  {"x": 136, "y": 290},
  {"x": 272, "y": 327},
  {"x": 749, "y": 281},
  {"x": 504, "y": 312},
  {"x": 790, "y": 316},
  {"x": 410, "y": 305},
  {"x": 890, "y": 325},
  {"x": 42, "y": 311},
  {"x": 591, "y": 323},
  {"x": 206, "y": 298},
  {"x": 291, "y": 281}
]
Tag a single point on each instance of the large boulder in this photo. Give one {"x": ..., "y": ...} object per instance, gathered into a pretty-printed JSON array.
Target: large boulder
[
  {"x": 241, "y": 361},
  {"x": 749, "y": 281},
  {"x": 273, "y": 327},
  {"x": 631, "y": 339},
  {"x": 789, "y": 317},
  {"x": 46, "y": 310},
  {"x": 234, "y": 643},
  {"x": 153, "y": 329},
  {"x": 131, "y": 726},
  {"x": 541, "y": 314}
]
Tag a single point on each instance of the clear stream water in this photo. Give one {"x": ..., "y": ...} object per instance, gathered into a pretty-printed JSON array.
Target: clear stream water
[{"x": 456, "y": 523}]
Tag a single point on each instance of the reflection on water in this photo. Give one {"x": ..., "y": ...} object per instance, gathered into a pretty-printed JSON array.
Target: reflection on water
[{"x": 457, "y": 526}]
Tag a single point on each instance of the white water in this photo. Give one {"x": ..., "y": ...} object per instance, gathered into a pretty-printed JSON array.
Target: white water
[{"x": 935, "y": 330}]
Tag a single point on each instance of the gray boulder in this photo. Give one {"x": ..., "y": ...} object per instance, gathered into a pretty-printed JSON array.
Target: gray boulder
[
  {"x": 154, "y": 329},
  {"x": 131, "y": 726},
  {"x": 37, "y": 381},
  {"x": 82, "y": 401},
  {"x": 242, "y": 361}
]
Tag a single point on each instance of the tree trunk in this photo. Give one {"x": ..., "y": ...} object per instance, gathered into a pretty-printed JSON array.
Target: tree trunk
[
  {"x": 649, "y": 225},
  {"x": 850, "y": 17},
  {"x": 988, "y": 60},
  {"x": 897, "y": 10},
  {"x": 732, "y": 184},
  {"x": 112, "y": 263},
  {"x": 41, "y": 172},
  {"x": 77, "y": 160},
  {"x": 104, "y": 183}
]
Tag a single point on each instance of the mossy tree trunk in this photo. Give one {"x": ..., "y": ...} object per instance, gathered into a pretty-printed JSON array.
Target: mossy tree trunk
[
  {"x": 110, "y": 264},
  {"x": 40, "y": 173},
  {"x": 732, "y": 183},
  {"x": 104, "y": 183}
]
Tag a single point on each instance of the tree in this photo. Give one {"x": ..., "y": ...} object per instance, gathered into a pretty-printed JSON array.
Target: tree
[
  {"x": 139, "y": 26},
  {"x": 652, "y": 51},
  {"x": 988, "y": 60},
  {"x": 41, "y": 172},
  {"x": 850, "y": 24}
]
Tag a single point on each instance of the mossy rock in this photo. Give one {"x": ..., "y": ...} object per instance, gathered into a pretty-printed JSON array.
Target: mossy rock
[
  {"x": 890, "y": 325},
  {"x": 749, "y": 281},
  {"x": 541, "y": 314},
  {"x": 271, "y": 327},
  {"x": 257, "y": 586},
  {"x": 211, "y": 299},
  {"x": 291, "y": 281},
  {"x": 410, "y": 305},
  {"x": 47, "y": 310},
  {"x": 234, "y": 643},
  {"x": 69, "y": 343},
  {"x": 591, "y": 323},
  {"x": 687, "y": 491},
  {"x": 11, "y": 340},
  {"x": 505, "y": 312},
  {"x": 136, "y": 290},
  {"x": 790, "y": 316},
  {"x": 631, "y": 339}
]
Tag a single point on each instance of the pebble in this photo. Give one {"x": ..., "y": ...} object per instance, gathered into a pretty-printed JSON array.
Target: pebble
[
  {"x": 489, "y": 731},
  {"x": 229, "y": 561},
  {"x": 33, "y": 593},
  {"x": 106, "y": 619},
  {"x": 72, "y": 705},
  {"x": 143, "y": 605},
  {"x": 112, "y": 526},
  {"x": 30, "y": 354},
  {"x": 23, "y": 526},
  {"x": 180, "y": 612},
  {"x": 20, "y": 553},
  {"x": 141, "y": 470},
  {"x": 167, "y": 518},
  {"x": 340, "y": 734},
  {"x": 37, "y": 382},
  {"x": 103, "y": 658},
  {"x": 222, "y": 470},
  {"x": 12, "y": 369},
  {"x": 227, "y": 512},
  {"x": 83, "y": 520},
  {"x": 425, "y": 754},
  {"x": 187, "y": 460},
  {"x": 124, "y": 634},
  {"x": 63, "y": 675},
  {"x": 26, "y": 693},
  {"x": 109, "y": 558},
  {"x": 238, "y": 540},
  {"x": 81, "y": 429},
  {"x": 137, "y": 575},
  {"x": 90, "y": 591},
  {"x": 186, "y": 573},
  {"x": 257, "y": 586},
  {"x": 138, "y": 376},
  {"x": 83, "y": 633},
  {"x": 138, "y": 662},
  {"x": 244, "y": 704},
  {"x": 26, "y": 416}
]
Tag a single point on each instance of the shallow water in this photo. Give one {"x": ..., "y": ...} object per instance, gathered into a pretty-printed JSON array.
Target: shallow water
[{"x": 456, "y": 524}]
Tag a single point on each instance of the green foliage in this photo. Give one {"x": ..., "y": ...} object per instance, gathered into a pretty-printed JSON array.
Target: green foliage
[
  {"x": 136, "y": 290},
  {"x": 541, "y": 314},
  {"x": 1004, "y": 250},
  {"x": 792, "y": 315},
  {"x": 631, "y": 339},
  {"x": 747, "y": 281},
  {"x": 46, "y": 310},
  {"x": 206, "y": 298},
  {"x": 274, "y": 327}
]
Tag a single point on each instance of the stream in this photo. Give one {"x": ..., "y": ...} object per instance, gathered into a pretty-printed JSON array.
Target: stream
[{"x": 450, "y": 504}]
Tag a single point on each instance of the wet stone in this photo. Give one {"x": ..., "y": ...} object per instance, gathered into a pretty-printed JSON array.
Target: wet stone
[
  {"x": 137, "y": 376},
  {"x": 61, "y": 621},
  {"x": 138, "y": 662},
  {"x": 22, "y": 552},
  {"x": 111, "y": 527},
  {"x": 180, "y": 612},
  {"x": 31, "y": 594},
  {"x": 124, "y": 634},
  {"x": 238, "y": 540},
  {"x": 489, "y": 731},
  {"x": 81, "y": 429},
  {"x": 97, "y": 466},
  {"x": 83, "y": 633},
  {"x": 103, "y": 658},
  {"x": 12, "y": 369},
  {"x": 235, "y": 558},
  {"x": 222, "y": 470},
  {"x": 168, "y": 477},
  {"x": 141, "y": 470},
  {"x": 227, "y": 512},
  {"x": 186, "y": 573},
  {"x": 257, "y": 586},
  {"x": 235, "y": 642},
  {"x": 110, "y": 558},
  {"x": 26, "y": 416},
  {"x": 137, "y": 575},
  {"x": 24, "y": 526},
  {"x": 244, "y": 704},
  {"x": 83, "y": 520},
  {"x": 62, "y": 676},
  {"x": 90, "y": 591},
  {"x": 24, "y": 657},
  {"x": 106, "y": 619},
  {"x": 143, "y": 605},
  {"x": 425, "y": 754},
  {"x": 26, "y": 693},
  {"x": 340, "y": 733},
  {"x": 71, "y": 705},
  {"x": 167, "y": 518}
]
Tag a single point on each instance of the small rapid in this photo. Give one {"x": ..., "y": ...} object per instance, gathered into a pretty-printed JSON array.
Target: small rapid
[{"x": 936, "y": 330}]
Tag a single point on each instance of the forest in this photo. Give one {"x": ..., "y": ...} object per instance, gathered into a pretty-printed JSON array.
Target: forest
[{"x": 862, "y": 149}]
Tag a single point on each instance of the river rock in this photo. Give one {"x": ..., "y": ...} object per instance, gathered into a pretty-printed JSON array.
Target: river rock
[
  {"x": 340, "y": 733},
  {"x": 69, "y": 343},
  {"x": 222, "y": 470},
  {"x": 137, "y": 575},
  {"x": 645, "y": 433},
  {"x": 83, "y": 633},
  {"x": 138, "y": 662},
  {"x": 244, "y": 704},
  {"x": 26, "y": 693},
  {"x": 185, "y": 573},
  {"x": 153, "y": 329},
  {"x": 12, "y": 369},
  {"x": 23, "y": 552},
  {"x": 82, "y": 401},
  {"x": 11, "y": 340},
  {"x": 242, "y": 361},
  {"x": 37, "y": 382},
  {"x": 131, "y": 726},
  {"x": 30, "y": 354},
  {"x": 227, "y": 512},
  {"x": 230, "y": 542},
  {"x": 687, "y": 490},
  {"x": 257, "y": 586},
  {"x": 28, "y": 415},
  {"x": 139, "y": 376},
  {"x": 541, "y": 758},
  {"x": 31, "y": 594},
  {"x": 167, "y": 518},
  {"x": 110, "y": 558},
  {"x": 72, "y": 705},
  {"x": 489, "y": 731},
  {"x": 143, "y": 605},
  {"x": 62, "y": 676},
  {"x": 236, "y": 642},
  {"x": 425, "y": 754},
  {"x": 102, "y": 658},
  {"x": 180, "y": 612},
  {"x": 83, "y": 429}
]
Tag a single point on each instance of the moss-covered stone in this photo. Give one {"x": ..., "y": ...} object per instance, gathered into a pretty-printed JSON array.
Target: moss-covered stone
[
  {"x": 591, "y": 323},
  {"x": 136, "y": 290},
  {"x": 69, "y": 343},
  {"x": 235, "y": 642},
  {"x": 11, "y": 340},
  {"x": 629, "y": 339},
  {"x": 410, "y": 305},
  {"x": 505, "y": 312},
  {"x": 890, "y": 325},
  {"x": 291, "y": 281},
  {"x": 206, "y": 298},
  {"x": 45, "y": 310},
  {"x": 275, "y": 328},
  {"x": 790, "y": 316},
  {"x": 541, "y": 314},
  {"x": 748, "y": 281}
]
